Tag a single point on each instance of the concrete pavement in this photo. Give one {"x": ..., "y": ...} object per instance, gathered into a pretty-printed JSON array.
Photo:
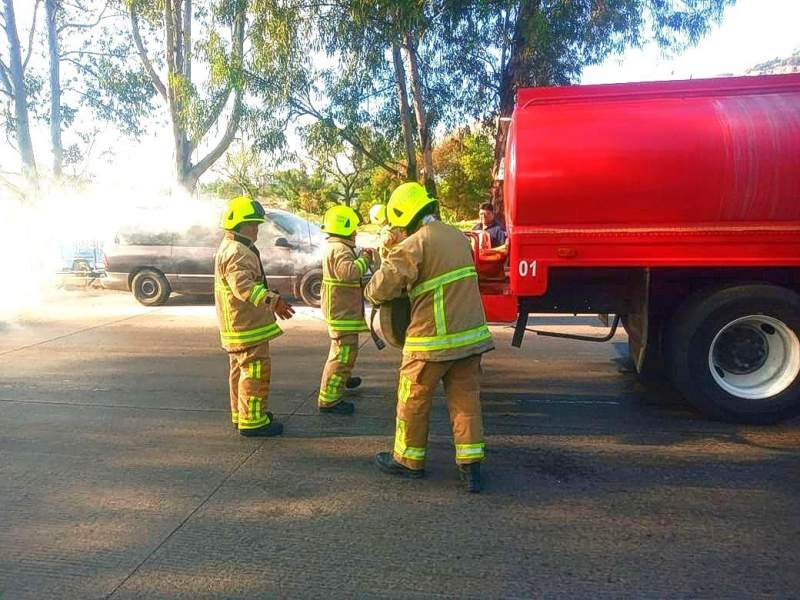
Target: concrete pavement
[{"x": 120, "y": 476}]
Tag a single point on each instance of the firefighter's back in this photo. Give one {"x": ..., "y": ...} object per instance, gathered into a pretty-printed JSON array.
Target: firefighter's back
[{"x": 447, "y": 319}]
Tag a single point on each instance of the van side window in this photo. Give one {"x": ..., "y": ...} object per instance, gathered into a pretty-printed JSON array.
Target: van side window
[
  {"x": 198, "y": 236},
  {"x": 145, "y": 238}
]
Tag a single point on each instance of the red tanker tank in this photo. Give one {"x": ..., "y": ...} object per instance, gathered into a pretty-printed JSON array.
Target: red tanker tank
[
  {"x": 676, "y": 207},
  {"x": 703, "y": 172}
]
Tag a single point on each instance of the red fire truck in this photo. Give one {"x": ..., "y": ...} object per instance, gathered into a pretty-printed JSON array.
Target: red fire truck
[{"x": 675, "y": 207}]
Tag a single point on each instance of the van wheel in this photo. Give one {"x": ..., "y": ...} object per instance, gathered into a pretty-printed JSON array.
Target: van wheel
[
  {"x": 311, "y": 288},
  {"x": 735, "y": 353},
  {"x": 150, "y": 288}
]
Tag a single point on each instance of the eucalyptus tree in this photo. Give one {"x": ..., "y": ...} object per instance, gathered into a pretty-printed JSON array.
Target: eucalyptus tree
[
  {"x": 17, "y": 86},
  {"x": 494, "y": 47},
  {"x": 182, "y": 35}
]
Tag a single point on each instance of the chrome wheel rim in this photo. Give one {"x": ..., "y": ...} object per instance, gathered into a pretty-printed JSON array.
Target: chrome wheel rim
[
  {"x": 755, "y": 357},
  {"x": 148, "y": 288}
]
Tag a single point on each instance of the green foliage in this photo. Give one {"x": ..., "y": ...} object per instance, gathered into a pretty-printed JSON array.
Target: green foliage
[
  {"x": 98, "y": 73},
  {"x": 489, "y": 48},
  {"x": 464, "y": 161},
  {"x": 377, "y": 190},
  {"x": 298, "y": 190},
  {"x": 473, "y": 55}
]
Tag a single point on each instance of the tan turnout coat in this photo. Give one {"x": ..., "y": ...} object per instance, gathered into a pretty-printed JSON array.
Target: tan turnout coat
[
  {"x": 342, "y": 297},
  {"x": 245, "y": 306},
  {"x": 434, "y": 266}
]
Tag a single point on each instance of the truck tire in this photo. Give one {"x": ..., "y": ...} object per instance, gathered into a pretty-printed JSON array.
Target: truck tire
[
  {"x": 150, "y": 288},
  {"x": 735, "y": 353},
  {"x": 310, "y": 288}
]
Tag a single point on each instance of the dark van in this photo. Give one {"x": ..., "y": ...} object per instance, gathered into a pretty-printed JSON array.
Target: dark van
[{"x": 155, "y": 264}]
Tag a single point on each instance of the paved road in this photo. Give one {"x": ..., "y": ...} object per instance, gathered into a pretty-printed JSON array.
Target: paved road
[{"x": 120, "y": 476}]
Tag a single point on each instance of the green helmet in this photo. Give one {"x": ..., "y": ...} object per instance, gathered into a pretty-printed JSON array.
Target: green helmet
[
  {"x": 406, "y": 202},
  {"x": 242, "y": 210},
  {"x": 340, "y": 220}
]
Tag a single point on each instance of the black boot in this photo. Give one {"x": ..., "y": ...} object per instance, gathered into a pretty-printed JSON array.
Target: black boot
[
  {"x": 272, "y": 429},
  {"x": 352, "y": 383},
  {"x": 471, "y": 475},
  {"x": 340, "y": 408},
  {"x": 269, "y": 416},
  {"x": 387, "y": 464}
]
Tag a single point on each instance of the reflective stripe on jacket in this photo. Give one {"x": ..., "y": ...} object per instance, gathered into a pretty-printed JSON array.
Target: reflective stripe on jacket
[
  {"x": 434, "y": 266},
  {"x": 244, "y": 303},
  {"x": 342, "y": 298}
]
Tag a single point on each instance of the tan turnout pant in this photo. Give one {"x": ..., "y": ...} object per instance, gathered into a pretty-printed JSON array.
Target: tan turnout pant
[
  {"x": 249, "y": 386},
  {"x": 418, "y": 381},
  {"x": 338, "y": 367}
]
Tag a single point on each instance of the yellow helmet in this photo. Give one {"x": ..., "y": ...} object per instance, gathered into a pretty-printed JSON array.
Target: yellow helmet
[
  {"x": 377, "y": 214},
  {"x": 405, "y": 202},
  {"x": 340, "y": 220},
  {"x": 242, "y": 210}
]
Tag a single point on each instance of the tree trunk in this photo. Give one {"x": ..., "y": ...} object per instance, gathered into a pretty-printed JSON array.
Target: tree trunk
[
  {"x": 405, "y": 115},
  {"x": 176, "y": 88},
  {"x": 516, "y": 72},
  {"x": 173, "y": 21},
  {"x": 51, "y": 8},
  {"x": 22, "y": 128},
  {"x": 187, "y": 40},
  {"x": 237, "y": 57},
  {"x": 422, "y": 120}
]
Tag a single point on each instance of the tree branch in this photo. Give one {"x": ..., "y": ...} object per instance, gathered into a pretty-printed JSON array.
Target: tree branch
[
  {"x": 121, "y": 115},
  {"x": 211, "y": 118},
  {"x": 7, "y": 87},
  {"x": 80, "y": 66},
  {"x": 86, "y": 25},
  {"x": 87, "y": 53},
  {"x": 230, "y": 131},
  {"x": 137, "y": 38},
  {"x": 30, "y": 36},
  {"x": 309, "y": 110},
  {"x": 187, "y": 41},
  {"x": 236, "y": 115}
]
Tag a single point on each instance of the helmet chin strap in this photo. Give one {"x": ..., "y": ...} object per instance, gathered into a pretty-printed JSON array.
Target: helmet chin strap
[{"x": 243, "y": 240}]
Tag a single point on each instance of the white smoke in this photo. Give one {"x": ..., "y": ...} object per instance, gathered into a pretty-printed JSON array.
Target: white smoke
[{"x": 35, "y": 232}]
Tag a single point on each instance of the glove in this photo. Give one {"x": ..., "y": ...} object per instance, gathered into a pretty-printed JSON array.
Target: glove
[{"x": 283, "y": 309}]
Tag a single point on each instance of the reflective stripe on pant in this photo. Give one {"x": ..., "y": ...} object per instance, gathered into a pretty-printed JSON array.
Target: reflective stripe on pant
[
  {"x": 339, "y": 366},
  {"x": 418, "y": 381},
  {"x": 249, "y": 386}
]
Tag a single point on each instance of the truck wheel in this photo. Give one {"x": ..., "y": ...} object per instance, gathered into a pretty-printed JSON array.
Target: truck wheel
[
  {"x": 150, "y": 288},
  {"x": 311, "y": 288},
  {"x": 735, "y": 353}
]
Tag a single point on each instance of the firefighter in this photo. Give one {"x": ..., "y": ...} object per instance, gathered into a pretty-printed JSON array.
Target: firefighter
[
  {"x": 342, "y": 306},
  {"x": 445, "y": 339},
  {"x": 246, "y": 311},
  {"x": 388, "y": 236},
  {"x": 377, "y": 214}
]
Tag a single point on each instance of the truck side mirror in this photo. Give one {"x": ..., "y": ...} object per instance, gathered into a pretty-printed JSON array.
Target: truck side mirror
[{"x": 282, "y": 242}]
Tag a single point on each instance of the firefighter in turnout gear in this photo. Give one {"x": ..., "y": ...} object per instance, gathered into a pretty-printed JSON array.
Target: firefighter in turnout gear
[
  {"x": 445, "y": 339},
  {"x": 342, "y": 306},
  {"x": 388, "y": 236},
  {"x": 246, "y": 311}
]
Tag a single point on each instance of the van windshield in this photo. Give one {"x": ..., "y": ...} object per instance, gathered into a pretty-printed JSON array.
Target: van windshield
[{"x": 293, "y": 226}]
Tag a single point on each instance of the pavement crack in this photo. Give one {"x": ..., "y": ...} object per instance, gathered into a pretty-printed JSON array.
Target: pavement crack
[
  {"x": 123, "y": 406},
  {"x": 309, "y": 397},
  {"x": 185, "y": 520},
  {"x": 71, "y": 333}
]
